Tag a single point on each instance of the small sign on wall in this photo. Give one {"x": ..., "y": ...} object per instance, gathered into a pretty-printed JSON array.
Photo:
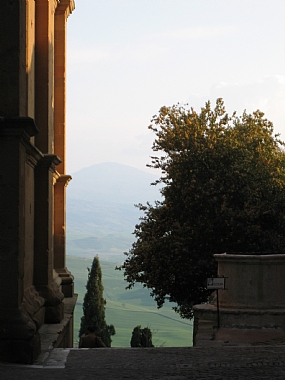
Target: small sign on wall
[{"x": 216, "y": 283}]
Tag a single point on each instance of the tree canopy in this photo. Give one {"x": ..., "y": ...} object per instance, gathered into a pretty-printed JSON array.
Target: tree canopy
[{"x": 223, "y": 190}]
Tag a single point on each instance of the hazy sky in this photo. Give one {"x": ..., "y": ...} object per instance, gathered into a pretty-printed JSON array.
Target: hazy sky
[{"x": 127, "y": 58}]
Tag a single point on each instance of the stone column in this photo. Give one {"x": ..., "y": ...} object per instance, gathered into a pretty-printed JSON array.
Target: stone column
[
  {"x": 21, "y": 312},
  {"x": 44, "y": 74},
  {"x": 46, "y": 280},
  {"x": 67, "y": 285},
  {"x": 59, "y": 225},
  {"x": 63, "y": 10},
  {"x": 17, "y": 58},
  {"x": 27, "y": 176}
]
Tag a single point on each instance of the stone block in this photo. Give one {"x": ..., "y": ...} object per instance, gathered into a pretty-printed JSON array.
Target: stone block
[
  {"x": 68, "y": 290},
  {"x": 20, "y": 351},
  {"x": 54, "y": 314}
]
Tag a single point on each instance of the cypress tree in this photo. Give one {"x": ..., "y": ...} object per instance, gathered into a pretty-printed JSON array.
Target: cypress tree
[
  {"x": 94, "y": 305},
  {"x": 141, "y": 337}
]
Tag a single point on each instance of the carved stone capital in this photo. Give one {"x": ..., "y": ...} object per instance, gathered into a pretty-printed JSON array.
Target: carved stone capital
[
  {"x": 64, "y": 179},
  {"x": 66, "y": 7},
  {"x": 67, "y": 282}
]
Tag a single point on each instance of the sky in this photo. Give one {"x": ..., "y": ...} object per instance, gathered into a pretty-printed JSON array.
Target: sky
[{"x": 128, "y": 58}]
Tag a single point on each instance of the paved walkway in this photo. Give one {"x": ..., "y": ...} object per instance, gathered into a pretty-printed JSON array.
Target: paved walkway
[{"x": 235, "y": 362}]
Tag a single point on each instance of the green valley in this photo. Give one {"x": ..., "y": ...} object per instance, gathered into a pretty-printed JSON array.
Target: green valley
[
  {"x": 126, "y": 309},
  {"x": 100, "y": 220}
]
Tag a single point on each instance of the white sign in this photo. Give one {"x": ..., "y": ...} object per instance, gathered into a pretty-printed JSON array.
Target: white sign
[{"x": 216, "y": 283}]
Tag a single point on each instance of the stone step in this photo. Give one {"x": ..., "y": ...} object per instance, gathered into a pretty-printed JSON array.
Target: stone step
[
  {"x": 204, "y": 336},
  {"x": 207, "y": 322},
  {"x": 206, "y": 326}
]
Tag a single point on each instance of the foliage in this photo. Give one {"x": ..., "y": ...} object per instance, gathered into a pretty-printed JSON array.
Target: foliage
[
  {"x": 94, "y": 305},
  {"x": 223, "y": 191},
  {"x": 141, "y": 337}
]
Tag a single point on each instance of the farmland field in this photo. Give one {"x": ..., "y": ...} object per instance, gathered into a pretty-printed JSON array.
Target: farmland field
[{"x": 126, "y": 309}]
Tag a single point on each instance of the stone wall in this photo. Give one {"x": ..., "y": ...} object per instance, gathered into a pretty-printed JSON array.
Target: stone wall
[
  {"x": 253, "y": 298},
  {"x": 33, "y": 277}
]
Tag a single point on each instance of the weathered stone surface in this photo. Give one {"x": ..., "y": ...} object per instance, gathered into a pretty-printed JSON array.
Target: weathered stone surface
[
  {"x": 32, "y": 145},
  {"x": 51, "y": 294},
  {"x": 33, "y": 303},
  {"x": 54, "y": 314},
  {"x": 223, "y": 363},
  {"x": 252, "y": 281},
  {"x": 16, "y": 324},
  {"x": 67, "y": 281},
  {"x": 253, "y": 298},
  {"x": 59, "y": 334},
  {"x": 68, "y": 290},
  {"x": 20, "y": 351}
]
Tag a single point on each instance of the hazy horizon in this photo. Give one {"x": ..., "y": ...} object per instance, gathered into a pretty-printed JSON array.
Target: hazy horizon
[{"x": 128, "y": 58}]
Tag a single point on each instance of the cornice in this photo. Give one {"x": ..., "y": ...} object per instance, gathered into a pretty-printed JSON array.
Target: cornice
[
  {"x": 14, "y": 125},
  {"x": 64, "y": 179},
  {"x": 66, "y": 7},
  {"x": 55, "y": 3},
  {"x": 50, "y": 161}
]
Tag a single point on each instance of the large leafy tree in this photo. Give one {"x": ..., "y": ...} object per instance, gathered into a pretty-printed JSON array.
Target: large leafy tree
[
  {"x": 94, "y": 305},
  {"x": 223, "y": 190}
]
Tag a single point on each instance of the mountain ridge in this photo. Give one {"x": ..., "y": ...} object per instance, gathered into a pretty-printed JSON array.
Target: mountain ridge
[
  {"x": 109, "y": 179},
  {"x": 101, "y": 213}
]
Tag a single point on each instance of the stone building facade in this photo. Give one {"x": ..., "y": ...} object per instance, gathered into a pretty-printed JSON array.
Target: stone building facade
[{"x": 34, "y": 281}]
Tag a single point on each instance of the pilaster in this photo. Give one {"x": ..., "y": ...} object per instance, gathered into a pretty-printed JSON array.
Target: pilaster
[
  {"x": 46, "y": 280},
  {"x": 17, "y": 58},
  {"x": 60, "y": 235},
  {"x": 63, "y": 10},
  {"x": 60, "y": 220},
  {"x": 44, "y": 74},
  {"x": 32, "y": 191},
  {"x": 21, "y": 313}
]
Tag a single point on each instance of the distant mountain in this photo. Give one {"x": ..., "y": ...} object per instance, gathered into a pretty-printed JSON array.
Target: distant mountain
[
  {"x": 101, "y": 215},
  {"x": 113, "y": 182}
]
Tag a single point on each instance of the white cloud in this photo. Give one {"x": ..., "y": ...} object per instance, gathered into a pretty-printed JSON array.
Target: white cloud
[
  {"x": 261, "y": 92},
  {"x": 266, "y": 94}
]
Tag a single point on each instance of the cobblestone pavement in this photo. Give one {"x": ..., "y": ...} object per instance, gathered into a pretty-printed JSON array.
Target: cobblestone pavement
[{"x": 255, "y": 362}]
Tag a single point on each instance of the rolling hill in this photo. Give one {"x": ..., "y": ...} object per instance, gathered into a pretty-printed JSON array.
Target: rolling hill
[
  {"x": 101, "y": 215},
  {"x": 100, "y": 220},
  {"x": 126, "y": 309}
]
